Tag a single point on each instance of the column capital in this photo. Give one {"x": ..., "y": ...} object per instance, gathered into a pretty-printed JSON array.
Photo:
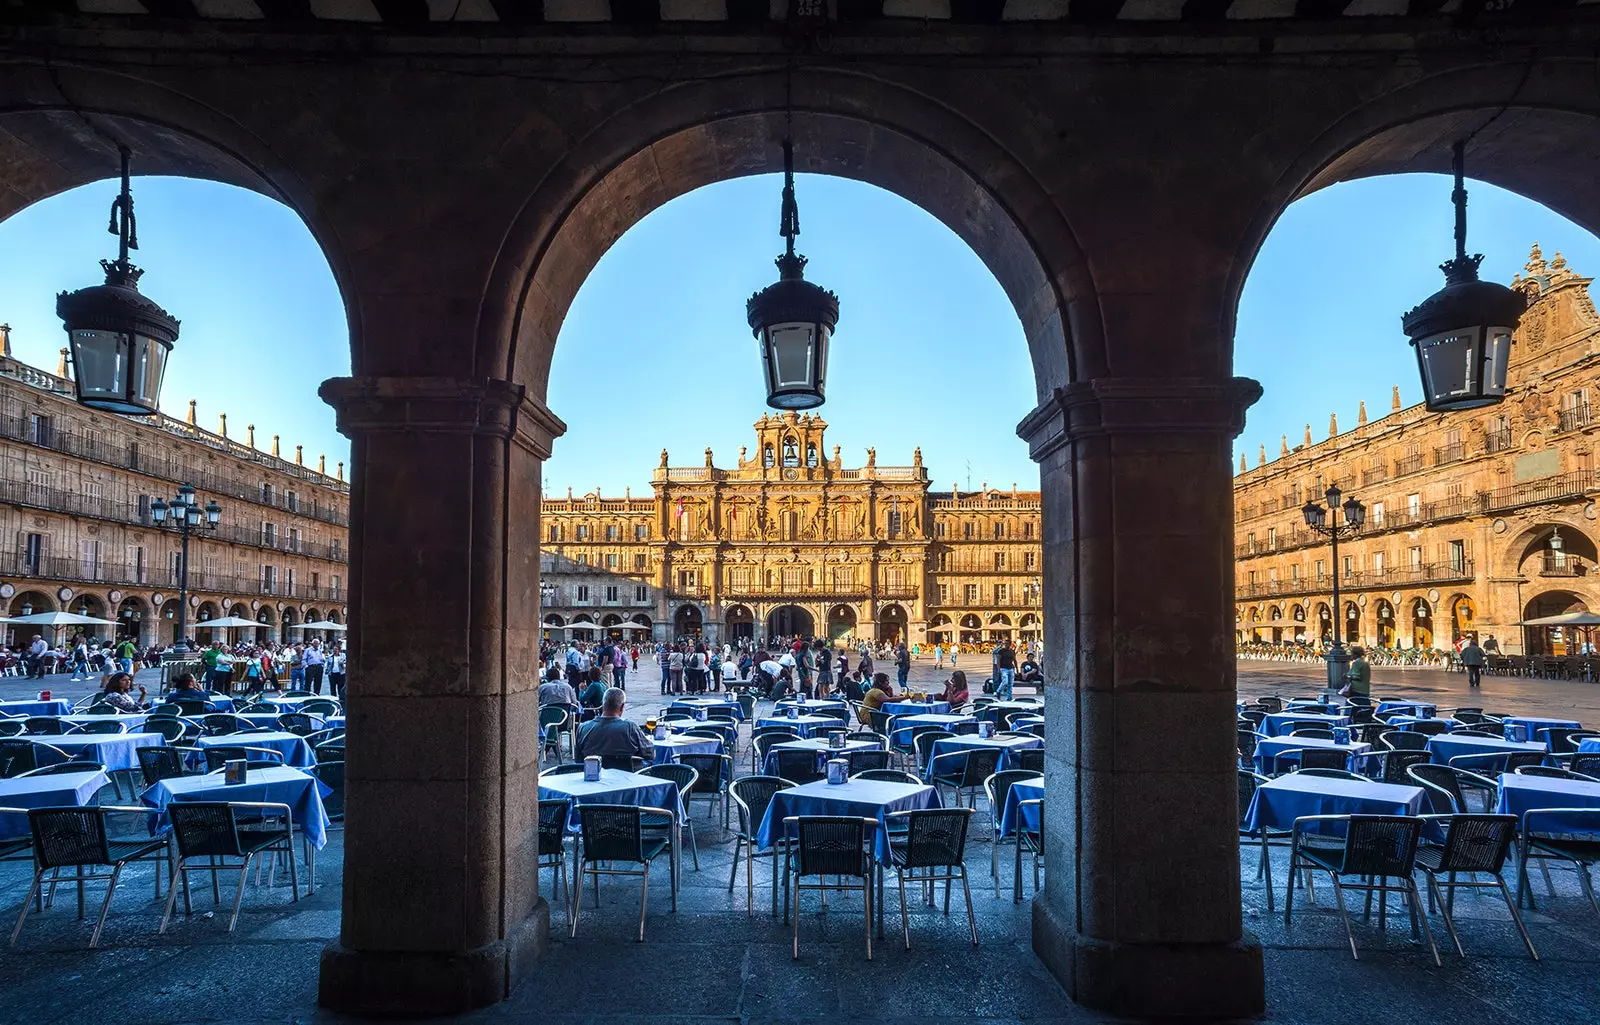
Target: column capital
[
  {"x": 442, "y": 405},
  {"x": 1137, "y": 405}
]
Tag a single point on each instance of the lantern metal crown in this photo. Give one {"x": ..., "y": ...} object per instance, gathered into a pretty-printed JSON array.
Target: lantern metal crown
[
  {"x": 792, "y": 318},
  {"x": 120, "y": 339}
]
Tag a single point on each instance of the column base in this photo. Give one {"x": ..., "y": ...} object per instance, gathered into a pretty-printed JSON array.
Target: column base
[
  {"x": 425, "y": 984},
  {"x": 1135, "y": 980}
]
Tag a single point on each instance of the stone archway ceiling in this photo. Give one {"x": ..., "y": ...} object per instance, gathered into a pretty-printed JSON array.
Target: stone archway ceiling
[{"x": 414, "y": 14}]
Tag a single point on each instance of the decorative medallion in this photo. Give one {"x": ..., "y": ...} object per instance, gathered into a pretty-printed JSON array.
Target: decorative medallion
[
  {"x": 92, "y": 530},
  {"x": 114, "y": 597},
  {"x": 791, "y": 474},
  {"x": 1589, "y": 511},
  {"x": 254, "y": 604},
  {"x": 1500, "y": 526},
  {"x": 1395, "y": 598},
  {"x": 38, "y": 521},
  {"x": 157, "y": 598},
  {"x": 6, "y": 590},
  {"x": 1433, "y": 596},
  {"x": 64, "y": 594},
  {"x": 194, "y": 601},
  {"x": 1362, "y": 601}
]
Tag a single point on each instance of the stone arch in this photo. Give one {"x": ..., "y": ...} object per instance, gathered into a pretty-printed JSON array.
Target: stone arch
[
  {"x": 291, "y": 616},
  {"x": 1554, "y": 640},
  {"x": 893, "y": 623},
  {"x": 1386, "y": 625},
  {"x": 841, "y": 622},
  {"x": 688, "y": 621},
  {"x": 134, "y": 620},
  {"x": 1420, "y": 611},
  {"x": 1529, "y": 552},
  {"x": 266, "y": 615},
  {"x": 1463, "y": 616},
  {"x": 843, "y": 124}
]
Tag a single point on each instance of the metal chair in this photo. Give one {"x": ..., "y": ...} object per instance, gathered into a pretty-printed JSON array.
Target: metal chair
[
  {"x": 1447, "y": 786},
  {"x": 799, "y": 766},
  {"x": 964, "y": 771},
  {"x": 101, "y": 708},
  {"x": 1246, "y": 742},
  {"x": 711, "y": 785},
  {"x": 685, "y": 776},
  {"x": 862, "y": 759},
  {"x": 1403, "y": 740},
  {"x": 331, "y": 775},
  {"x": 1030, "y": 759},
  {"x": 1249, "y": 782},
  {"x": 19, "y": 756},
  {"x": 554, "y": 814},
  {"x": 1311, "y": 732},
  {"x": 44, "y": 726},
  {"x": 1375, "y": 848},
  {"x": 562, "y": 769},
  {"x": 1551, "y": 772},
  {"x": 1291, "y": 759},
  {"x": 170, "y": 727},
  {"x": 221, "y": 724},
  {"x": 889, "y": 776},
  {"x": 1031, "y": 840},
  {"x": 254, "y": 757},
  {"x": 77, "y": 838},
  {"x": 1569, "y": 835},
  {"x": 1555, "y": 738},
  {"x": 1331, "y": 773},
  {"x": 752, "y": 796},
  {"x": 329, "y": 750},
  {"x": 615, "y": 833},
  {"x": 106, "y": 726},
  {"x": 868, "y": 736},
  {"x": 1429, "y": 727},
  {"x": 833, "y": 848},
  {"x": 213, "y": 830},
  {"x": 931, "y": 849},
  {"x": 922, "y": 740},
  {"x": 554, "y": 720},
  {"x": 322, "y": 707},
  {"x": 300, "y": 724},
  {"x": 1391, "y": 766},
  {"x": 1472, "y": 844},
  {"x": 764, "y": 739},
  {"x": 63, "y": 769},
  {"x": 998, "y": 789},
  {"x": 1588, "y": 764}
]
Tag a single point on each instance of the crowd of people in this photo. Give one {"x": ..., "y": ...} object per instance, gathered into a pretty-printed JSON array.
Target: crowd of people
[{"x": 252, "y": 667}]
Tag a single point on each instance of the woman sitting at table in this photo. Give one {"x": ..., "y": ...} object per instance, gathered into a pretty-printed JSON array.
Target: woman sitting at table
[
  {"x": 593, "y": 695},
  {"x": 882, "y": 690},
  {"x": 955, "y": 690},
  {"x": 116, "y": 693}
]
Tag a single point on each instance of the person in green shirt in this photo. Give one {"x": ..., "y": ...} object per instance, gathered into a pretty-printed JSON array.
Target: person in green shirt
[
  {"x": 1359, "y": 676},
  {"x": 125, "y": 653},
  {"x": 594, "y": 695}
]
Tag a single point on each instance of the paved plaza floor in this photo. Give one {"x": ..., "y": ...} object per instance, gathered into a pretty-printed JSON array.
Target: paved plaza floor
[{"x": 715, "y": 962}]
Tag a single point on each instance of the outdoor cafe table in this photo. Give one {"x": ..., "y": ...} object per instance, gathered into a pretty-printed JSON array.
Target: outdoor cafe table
[
  {"x": 333, "y": 722},
  {"x": 57, "y": 790},
  {"x": 615, "y": 786},
  {"x": 1533, "y": 724},
  {"x": 260, "y": 718},
  {"x": 1008, "y": 746},
  {"x": 1024, "y": 790},
  {"x": 1419, "y": 708},
  {"x": 810, "y": 703},
  {"x": 817, "y": 744},
  {"x": 669, "y": 749},
  {"x": 296, "y": 752},
  {"x": 1589, "y": 746},
  {"x": 803, "y": 724},
  {"x": 1277, "y": 724},
  {"x": 301, "y": 791},
  {"x": 131, "y": 721},
  {"x": 1279, "y": 802},
  {"x": 113, "y": 750},
  {"x": 1409, "y": 722},
  {"x": 948, "y": 721},
  {"x": 916, "y": 707},
  {"x": 727, "y": 705},
  {"x": 861, "y": 798},
  {"x": 1446, "y": 746},
  {"x": 54, "y": 706},
  {"x": 1520, "y": 794},
  {"x": 1267, "y": 751}
]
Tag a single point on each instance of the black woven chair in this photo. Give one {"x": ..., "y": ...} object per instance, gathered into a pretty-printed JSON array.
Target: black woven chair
[
  {"x": 1429, "y": 727},
  {"x": 1390, "y": 766},
  {"x": 329, "y": 751},
  {"x": 715, "y": 773},
  {"x": 868, "y": 736},
  {"x": 1403, "y": 740},
  {"x": 1030, "y": 841},
  {"x": 1472, "y": 845},
  {"x": 613, "y": 834},
  {"x": 880, "y": 721},
  {"x": 1292, "y": 759},
  {"x": 78, "y": 838},
  {"x": 1447, "y": 787},
  {"x": 1588, "y": 763},
  {"x": 686, "y": 777},
  {"x": 1551, "y": 772},
  {"x": 1268, "y": 706},
  {"x": 554, "y": 814},
  {"x": 105, "y": 726},
  {"x": 1559, "y": 834},
  {"x": 163, "y": 762},
  {"x": 1555, "y": 738},
  {"x": 890, "y": 776},
  {"x": 213, "y": 830},
  {"x": 19, "y": 756},
  {"x": 862, "y": 759},
  {"x": 1247, "y": 742},
  {"x": 101, "y": 708},
  {"x": 331, "y": 775},
  {"x": 63, "y": 769},
  {"x": 254, "y": 757},
  {"x": 752, "y": 796},
  {"x": 998, "y": 788},
  {"x": 1249, "y": 782},
  {"x": 922, "y": 740},
  {"x": 931, "y": 849},
  {"x": 1311, "y": 733},
  {"x": 764, "y": 740},
  {"x": 170, "y": 727},
  {"x": 833, "y": 848},
  {"x": 1375, "y": 849},
  {"x": 45, "y": 726},
  {"x": 322, "y": 706},
  {"x": 1331, "y": 773},
  {"x": 799, "y": 766},
  {"x": 299, "y": 723},
  {"x": 221, "y": 724},
  {"x": 10, "y": 727},
  {"x": 964, "y": 771}
]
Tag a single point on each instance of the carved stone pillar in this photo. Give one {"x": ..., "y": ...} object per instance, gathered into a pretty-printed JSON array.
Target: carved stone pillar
[
  {"x": 1141, "y": 912},
  {"x": 441, "y": 905}
]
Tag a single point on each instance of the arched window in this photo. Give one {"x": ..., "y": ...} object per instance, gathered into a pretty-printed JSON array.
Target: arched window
[
  {"x": 811, "y": 456},
  {"x": 791, "y": 452},
  {"x": 766, "y": 456}
]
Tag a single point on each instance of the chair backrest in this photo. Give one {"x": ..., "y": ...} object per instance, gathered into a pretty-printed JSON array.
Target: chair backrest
[
  {"x": 1555, "y": 737},
  {"x": 1269, "y": 705},
  {"x": 752, "y": 795},
  {"x": 1361, "y": 715},
  {"x": 831, "y": 845},
  {"x": 828, "y": 731},
  {"x": 100, "y": 708},
  {"x": 254, "y": 757},
  {"x": 43, "y": 726},
  {"x": 64, "y": 837},
  {"x": 890, "y": 776},
  {"x": 1430, "y": 727},
  {"x": 297, "y": 694},
  {"x": 979, "y": 765},
  {"x": 104, "y": 726},
  {"x": 1030, "y": 759},
  {"x": 870, "y": 736},
  {"x": 686, "y": 776},
  {"x": 799, "y": 766},
  {"x": 1246, "y": 742},
  {"x": 1330, "y": 773},
  {"x": 1249, "y": 782},
  {"x": 260, "y": 707},
  {"x": 1312, "y": 732},
  {"x": 1395, "y": 764},
  {"x": 17, "y": 757},
  {"x": 1577, "y": 737},
  {"x": 1550, "y": 772},
  {"x": 998, "y": 786},
  {"x": 1403, "y": 740},
  {"x": 167, "y": 708},
  {"x": 331, "y": 773},
  {"x": 879, "y": 720},
  {"x": 626, "y": 763},
  {"x": 204, "y": 828},
  {"x": 712, "y": 772},
  {"x": 764, "y": 742},
  {"x": 1254, "y": 715},
  {"x": 1517, "y": 759},
  {"x": 1588, "y": 764},
  {"x": 866, "y": 758},
  {"x": 1469, "y": 716},
  {"x": 159, "y": 763},
  {"x": 329, "y": 751},
  {"x": 923, "y": 738},
  {"x": 935, "y": 837},
  {"x": 747, "y": 702},
  {"x": 562, "y": 769},
  {"x": 552, "y": 715},
  {"x": 1442, "y": 783},
  {"x": 1380, "y": 845},
  {"x": 612, "y": 832},
  {"x": 220, "y": 724},
  {"x": 298, "y": 723},
  {"x": 1323, "y": 758},
  {"x": 554, "y": 814},
  {"x": 321, "y": 706},
  {"x": 62, "y": 768},
  {"x": 707, "y": 733}
]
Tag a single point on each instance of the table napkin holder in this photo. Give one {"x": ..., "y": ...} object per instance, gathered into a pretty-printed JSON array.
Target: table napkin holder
[
  {"x": 1341, "y": 734},
  {"x": 235, "y": 771},
  {"x": 1516, "y": 732},
  {"x": 838, "y": 771},
  {"x": 700, "y": 714},
  {"x": 591, "y": 769},
  {"x": 800, "y": 699},
  {"x": 985, "y": 729},
  {"x": 793, "y": 712},
  {"x": 836, "y": 740},
  {"x": 661, "y": 731}
]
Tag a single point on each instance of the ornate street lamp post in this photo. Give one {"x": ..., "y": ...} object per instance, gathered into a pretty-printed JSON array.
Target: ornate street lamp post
[
  {"x": 185, "y": 515},
  {"x": 120, "y": 340},
  {"x": 1327, "y": 522}
]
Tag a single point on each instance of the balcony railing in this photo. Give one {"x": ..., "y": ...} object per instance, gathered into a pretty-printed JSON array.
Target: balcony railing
[
  {"x": 1375, "y": 475},
  {"x": 18, "y": 564},
  {"x": 1361, "y": 580},
  {"x": 1497, "y": 441},
  {"x": 1561, "y": 566},
  {"x": 1537, "y": 492},
  {"x": 1447, "y": 454},
  {"x": 1408, "y": 464},
  {"x": 1573, "y": 418}
]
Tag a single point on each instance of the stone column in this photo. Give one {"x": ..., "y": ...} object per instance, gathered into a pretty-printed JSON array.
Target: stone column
[
  {"x": 442, "y": 910},
  {"x": 1141, "y": 914}
]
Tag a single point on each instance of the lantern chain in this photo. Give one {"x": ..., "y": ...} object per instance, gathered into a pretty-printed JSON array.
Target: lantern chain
[{"x": 123, "y": 224}]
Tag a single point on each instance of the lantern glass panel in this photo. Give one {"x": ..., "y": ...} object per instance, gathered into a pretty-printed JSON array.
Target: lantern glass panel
[
  {"x": 1464, "y": 368},
  {"x": 796, "y": 364},
  {"x": 100, "y": 366},
  {"x": 149, "y": 366}
]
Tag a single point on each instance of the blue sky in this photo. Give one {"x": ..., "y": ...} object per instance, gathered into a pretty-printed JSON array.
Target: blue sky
[{"x": 656, "y": 353}]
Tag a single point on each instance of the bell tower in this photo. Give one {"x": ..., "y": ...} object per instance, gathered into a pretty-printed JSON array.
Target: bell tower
[{"x": 788, "y": 442}]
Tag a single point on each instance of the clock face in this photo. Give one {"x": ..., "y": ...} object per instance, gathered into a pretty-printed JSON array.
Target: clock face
[{"x": 791, "y": 474}]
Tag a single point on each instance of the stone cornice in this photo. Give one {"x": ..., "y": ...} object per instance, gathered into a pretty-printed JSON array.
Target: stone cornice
[
  {"x": 442, "y": 405},
  {"x": 1109, "y": 406}
]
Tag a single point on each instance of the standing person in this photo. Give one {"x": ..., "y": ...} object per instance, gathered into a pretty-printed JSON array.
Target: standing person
[
  {"x": 222, "y": 674},
  {"x": 675, "y": 662},
  {"x": 1006, "y": 670},
  {"x": 297, "y": 666},
  {"x": 864, "y": 666},
  {"x": 902, "y": 665},
  {"x": 824, "y": 669},
  {"x": 36, "y": 651},
  {"x": 80, "y": 658},
  {"x": 1358, "y": 676},
  {"x": 574, "y": 666},
  {"x": 125, "y": 653},
  {"x": 938, "y": 656},
  {"x": 336, "y": 662},
  {"x": 603, "y": 657},
  {"x": 619, "y": 667},
  {"x": 696, "y": 667},
  {"x": 805, "y": 668},
  {"x": 665, "y": 662},
  {"x": 1472, "y": 659},
  {"x": 314, "y": 660},
  {"x": 1491, "y": 646}
]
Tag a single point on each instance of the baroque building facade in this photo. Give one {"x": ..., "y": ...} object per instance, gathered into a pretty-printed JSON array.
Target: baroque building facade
[
  {"x": 1476, "y": 520},
  {"x": 791, "y": 541},
  {"x": 76, "y": 533}
]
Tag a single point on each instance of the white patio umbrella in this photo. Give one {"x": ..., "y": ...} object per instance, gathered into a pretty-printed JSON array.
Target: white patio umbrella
[
  {"x": 60, "y": 619},
  {"x": 321, "y": 624},
  {"x": 227, "y": 621}
]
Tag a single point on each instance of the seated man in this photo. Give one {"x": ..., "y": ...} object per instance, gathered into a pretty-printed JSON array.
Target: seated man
[
  {"x": 614, "y": 739},
  {"x": 1030, "y": 672},
  {"x": 556, "y": 691},
  {"x": 185, "y": 689}
]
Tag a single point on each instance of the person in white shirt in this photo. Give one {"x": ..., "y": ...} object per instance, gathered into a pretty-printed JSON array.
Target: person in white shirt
[{"x": 730, "y": 674}]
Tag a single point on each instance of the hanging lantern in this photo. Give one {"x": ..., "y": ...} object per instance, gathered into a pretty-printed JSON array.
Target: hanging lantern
[
  {"x": 793, "y": 319},
  {"x": 1462, "y": 333},
  {"x": 120, "y": 340}
]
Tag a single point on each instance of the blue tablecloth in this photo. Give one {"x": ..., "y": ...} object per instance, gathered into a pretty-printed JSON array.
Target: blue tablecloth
[
  {"x": 811, "y": 703},
  {"x": 54, "y": 791},
  {"x": 1589, "y": 746},
  {"x": 1278, "y": 724},
  {"x": 303, "y": 793},
  {"x": 293, "y": 704},
  {"x": 333, "y": 722},
  {"x": 902, "y": 725},
  {"x": 1278, "y": 803},
  {"x": 1533, "y": 724},
  {"x": 868, "y": 799},
  {"x": 1425, "y": 708},
  {"x": 130, "y": 721},
  {"x": 1522, "y": 794},
  {"x": 1409, "y": 722},
  {"x": 816, "y": 744},
  {"x": 54, "y": 706},
  {"x": 669, "y": 749},
  {"x": 614, "y": 786},
  {"x": 296, "y": 752},
  {"x": 1026, "y": 790},
  {"x": 727, "y": 705},
  {"x": 1008, "y": 746},
  {"x": 916, "y": 707},
  {"x": 113, "y": 750},
  {"x": 1266, "y": 757},
  {"x": 803, "y": 725},
  {"x": 1448, "y": 745},
  {"x": 260, "y": 718}
]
